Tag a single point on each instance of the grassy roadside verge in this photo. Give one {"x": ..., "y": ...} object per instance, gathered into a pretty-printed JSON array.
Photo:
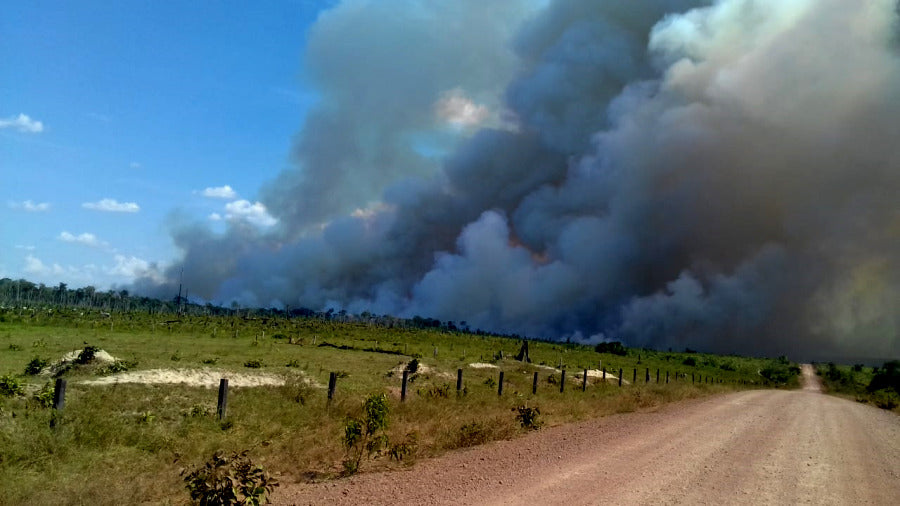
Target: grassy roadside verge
[
  {"x": 127, "y": 443},
  {"x": 879, "y": 386}
]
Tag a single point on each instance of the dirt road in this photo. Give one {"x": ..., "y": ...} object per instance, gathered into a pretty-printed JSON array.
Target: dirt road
[{"x": 752, "y": 447}]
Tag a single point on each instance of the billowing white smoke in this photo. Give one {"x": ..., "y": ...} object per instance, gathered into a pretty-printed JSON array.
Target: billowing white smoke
[{"x": 668, "y": 173}]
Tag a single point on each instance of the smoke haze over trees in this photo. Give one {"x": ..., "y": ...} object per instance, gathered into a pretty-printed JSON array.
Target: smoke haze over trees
[{"x": 720, "y": 175}]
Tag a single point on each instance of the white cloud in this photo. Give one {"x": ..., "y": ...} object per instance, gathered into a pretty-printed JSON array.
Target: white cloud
[
  {"x": 30, "y": 206},
  {"x": 255, "y": 213},
  {"x": 134, "y": 165},
  {"x": 215, "y": 217},
  {"x": 85, "y": 239},
  {"x": 112, "y": 206},
  {"x": 220, "y": 192},
  {"x": 25, "y": 247},
  {"x": 34, "y": 265},
  {"x": 455, "y": 108},
  {"x": 22, "y": 123}
]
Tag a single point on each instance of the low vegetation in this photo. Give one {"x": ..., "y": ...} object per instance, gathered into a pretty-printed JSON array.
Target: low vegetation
[
  {"x": 124, "y": 443},
  {"x": 879, "y": 386}
]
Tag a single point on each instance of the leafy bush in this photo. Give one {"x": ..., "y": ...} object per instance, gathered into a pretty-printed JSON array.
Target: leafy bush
[
  {"x": 364, "y": 436},
  {"x": 210, "y": 361},
  {"x": 87, "y": 355},
  {"x": 528, "y": 417},
  {"x": 14, "y": 347},
  {"x": 690, "y": 361},
  {"x": 226, "y": 480},
  {"x": 253, "y": 364},
  {"x": 118, "y": 366},
  {"x": 780, "y": 373},
  {"x": 36, "y": 365},
  {"x": 491, "y": 382},
  {"x": 886, "y": 398},
  {"x": 888, "y": 377},
  {"x": 10, "y": 386},
  {"x": 44, "y": 397},
  {"x": 614, "y": 348},
  {"x": 413, "y": 366}
]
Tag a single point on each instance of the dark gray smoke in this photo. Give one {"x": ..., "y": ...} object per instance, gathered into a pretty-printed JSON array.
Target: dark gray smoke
[{"x": 720, "y": 175}]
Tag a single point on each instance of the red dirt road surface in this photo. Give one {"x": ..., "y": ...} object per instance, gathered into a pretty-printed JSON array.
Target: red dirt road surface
[{"x": 751, "y": 447}]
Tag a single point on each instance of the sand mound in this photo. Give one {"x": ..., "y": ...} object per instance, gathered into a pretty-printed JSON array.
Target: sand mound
[
  {"x": 422, "y": 370},
  {"x": 208, "y": 378},
  {"x": 482, "y": 365},
  {"x": 100, "y": 357}
]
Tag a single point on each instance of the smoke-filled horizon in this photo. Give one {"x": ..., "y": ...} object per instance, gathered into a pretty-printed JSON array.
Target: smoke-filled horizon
[{"x": 669, "y": 173}]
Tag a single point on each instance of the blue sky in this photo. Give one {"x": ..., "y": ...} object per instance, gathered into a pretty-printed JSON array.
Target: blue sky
[{"x": 115, "y": 115}]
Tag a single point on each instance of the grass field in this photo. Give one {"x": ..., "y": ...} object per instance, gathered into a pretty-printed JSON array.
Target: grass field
[{"x": 127, "y": 443}]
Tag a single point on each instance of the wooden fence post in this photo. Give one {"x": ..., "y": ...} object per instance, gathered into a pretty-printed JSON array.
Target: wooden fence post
[
  {"x": 647, "y": 376},
  {"x": 584, "y": 381},
  {"x": 458, "y": 380},
  {"x": 222, "y": 405},
  {"x": 634, "y": 377},
  {"x": 620, "y": 376},
  {"x": 59, "y": 400},
  {"x": 500, "y": 386},
  {"x": 657, "y": 376},
  {"x": 534, "y": 384},
  {"x": 667, "y": 377},
  {"x": 402, "y": 386},
  {"x": 562, "y": 381},
  {"x": 332, "y": 384},
  {"x": 604, "y": 375}
]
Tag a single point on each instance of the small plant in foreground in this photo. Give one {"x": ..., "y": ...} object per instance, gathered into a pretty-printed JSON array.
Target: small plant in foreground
[
  {"x": 10, "y": 386},
  {"x": 229, "y": 479},
  {"x": 253, "y": 364},
  {"x": 365, "y": 436},
  {"x": 36, "y": 365},
  {"x": 528, "y": 417},
  {"x": 44, "y": 397}
]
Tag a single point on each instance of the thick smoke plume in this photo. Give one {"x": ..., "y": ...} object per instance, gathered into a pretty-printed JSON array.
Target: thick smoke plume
[{"x": 719, "y": 175}]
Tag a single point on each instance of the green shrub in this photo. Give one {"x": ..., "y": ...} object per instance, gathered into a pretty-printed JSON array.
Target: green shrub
[
  {"x": 36, "y": 365},
  {"x": 364, "y": 436},
  {"x": 690, "y": 361},
  {"x": 614, "y": 348},
  {"x": 10, "y": 386},
  {"x": 227, "y": 480},
  {"x": 528, "y": 417},
  {"x": 253, "y": 364},
  {"x": 44, "y": 397},
  {"x": 87, "y": 355},
  {"x": 886, "y": 398},
  {"x": 780, "y": 373},
  {"x": 888, "y": 377},
  {"x": 118, "y": 366}
]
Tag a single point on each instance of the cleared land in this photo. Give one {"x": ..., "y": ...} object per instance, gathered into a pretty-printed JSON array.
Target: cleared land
[
  {"x": 751, "y": 447},
  {"x": 125, "y": 435}
]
